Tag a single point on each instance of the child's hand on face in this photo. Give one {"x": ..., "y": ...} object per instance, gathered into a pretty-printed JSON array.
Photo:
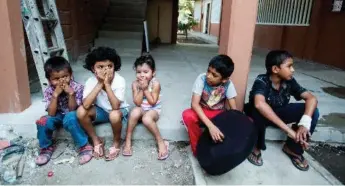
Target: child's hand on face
[
  {"x": 58, "y": 89},
  {"x": 108, "y": 77},
  {"x": 67, "y": 89},
  {"x": 100, "y": 76},
  {"x": 143, "y": 84}
]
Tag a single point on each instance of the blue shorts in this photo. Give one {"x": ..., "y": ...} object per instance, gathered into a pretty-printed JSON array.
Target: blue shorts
[{"x": 102, "y": 116}]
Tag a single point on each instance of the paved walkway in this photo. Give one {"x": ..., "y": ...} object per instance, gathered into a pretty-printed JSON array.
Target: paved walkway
[{"x": 276, "y": 170}]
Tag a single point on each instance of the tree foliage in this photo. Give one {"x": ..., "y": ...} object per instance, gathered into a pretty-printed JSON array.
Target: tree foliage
[{"x": 185, "y": 19}]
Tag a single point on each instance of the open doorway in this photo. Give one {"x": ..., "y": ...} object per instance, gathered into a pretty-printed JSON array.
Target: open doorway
[{"x": 207, "y": 18}]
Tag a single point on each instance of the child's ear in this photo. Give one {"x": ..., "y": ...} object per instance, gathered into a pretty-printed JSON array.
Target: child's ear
[
  {"x": 225, "y": 80},
  {"x": 275, "y": 69},
  {"x": 154, "y": 73}
]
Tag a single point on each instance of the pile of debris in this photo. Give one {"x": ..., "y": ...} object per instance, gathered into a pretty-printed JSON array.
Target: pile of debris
[{"x": 17, "y": 156}]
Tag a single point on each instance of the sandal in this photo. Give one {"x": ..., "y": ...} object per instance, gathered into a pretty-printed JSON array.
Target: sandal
[
  {"x": 85, "y": 154},
  {"x": 255, "y": 159},
  {"x": 44, "y": 156},
  {"x": 113, "y": 153},
  {"x": 127, "y": 152},
  {"x": 98, "y": 150},
  {"x": 297, "y": 161},
  {"x": 164, "y": 157}
]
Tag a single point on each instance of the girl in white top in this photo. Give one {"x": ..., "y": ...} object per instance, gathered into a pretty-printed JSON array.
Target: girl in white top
[{"x": 146, "y": 96}]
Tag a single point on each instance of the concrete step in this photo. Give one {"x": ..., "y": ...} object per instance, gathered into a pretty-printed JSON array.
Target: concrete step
[
  {"x": 125, "y": 47},
  {"x": 120, "y": 34},
  {"x": 127, "y": 12},
  {"x": 115, "y": 20},
  {"x": 119, "y": 43},
  {"x": 123, "y": 27},
  {"x": 128, "y": 2}
]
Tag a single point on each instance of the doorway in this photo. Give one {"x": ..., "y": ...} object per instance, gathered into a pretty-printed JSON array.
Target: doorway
[{"x": 207, "y": 18}]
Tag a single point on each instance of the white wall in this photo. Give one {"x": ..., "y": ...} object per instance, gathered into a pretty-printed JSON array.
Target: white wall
[
  {"x": 197, "y": 11},
  {"x": 216, "y": 9}
]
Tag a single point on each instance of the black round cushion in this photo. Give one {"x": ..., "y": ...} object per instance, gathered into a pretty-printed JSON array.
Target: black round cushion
[{"x": 240, "y": 138}]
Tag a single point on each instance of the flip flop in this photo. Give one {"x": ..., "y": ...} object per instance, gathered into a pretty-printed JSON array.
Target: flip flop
[
  {"x": 167, "y": 152},
  {"x": 128, "y": 152},
  {"x": 256, "y": 160},
  {"x": 294, "y": 161},
  {"x": 98, "y": 150},
  {"x": 113, "y": 153},
  {"x": 44, "y": 156},
  {"x": 85, "y": 154}
]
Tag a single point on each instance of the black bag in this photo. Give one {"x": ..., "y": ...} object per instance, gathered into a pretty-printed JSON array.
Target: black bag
[{"x": 240, "y": 137}]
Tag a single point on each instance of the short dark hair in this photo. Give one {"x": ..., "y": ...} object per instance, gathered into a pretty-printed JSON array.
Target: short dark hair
[
  {"x": 55, "y": 64},
  {"x": 145, "y": 59},
  {"x": 223, "y": 65},
  {"x": 102, "y": 54},
  {"x": 276, "y": 58}
]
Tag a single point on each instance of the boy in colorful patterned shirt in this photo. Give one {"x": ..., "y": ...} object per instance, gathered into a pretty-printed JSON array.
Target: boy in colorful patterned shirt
[
  {"x": 213, "y": 92},
  {"x": 62, "y": 97}
]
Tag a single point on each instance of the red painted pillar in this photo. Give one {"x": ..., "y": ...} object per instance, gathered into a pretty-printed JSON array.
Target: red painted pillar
[
  {"x": 14, "y": 80},
  {"x": 236, "y": 40}
]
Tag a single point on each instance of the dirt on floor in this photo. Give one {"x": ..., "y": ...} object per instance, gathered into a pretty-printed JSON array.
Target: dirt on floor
[
  {"x": 142, "y": 168},
  {"x": 332, "y": 157},
  {"x": 189, "y": 39}
]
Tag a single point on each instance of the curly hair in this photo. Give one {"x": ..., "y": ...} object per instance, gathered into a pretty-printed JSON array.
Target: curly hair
[
  {"x": 102, "y": 54},
  {"x": 145, "y": 59}
]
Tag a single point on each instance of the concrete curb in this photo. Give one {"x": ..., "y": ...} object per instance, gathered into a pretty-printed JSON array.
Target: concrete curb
[
  {"x": 320, "y": 169},
  {"x": 199, "y": 178},
  {"x": 321, "y": 134}
]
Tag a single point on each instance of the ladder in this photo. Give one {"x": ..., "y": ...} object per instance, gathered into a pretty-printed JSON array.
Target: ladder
[{"x": 33, "y": 22}]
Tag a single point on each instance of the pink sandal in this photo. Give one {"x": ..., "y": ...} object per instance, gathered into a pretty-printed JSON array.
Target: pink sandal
[
  {"x": 85, "y": 154},
  {"x": 44, "y": 156},
  {"x": 164, "y": 157},
  {"x": 113, "y": 153},
  {"x": 127, "y": 152},
  {"x": 98, "y": 150}
]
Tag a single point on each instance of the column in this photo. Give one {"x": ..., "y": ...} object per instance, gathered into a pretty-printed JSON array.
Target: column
[
  {"x": 14, "y": 80},
  {"x": 236, "y": 40}
]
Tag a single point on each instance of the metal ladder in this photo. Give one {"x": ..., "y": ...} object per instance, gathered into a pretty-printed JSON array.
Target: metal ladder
[{"x": 33, "y": 24}]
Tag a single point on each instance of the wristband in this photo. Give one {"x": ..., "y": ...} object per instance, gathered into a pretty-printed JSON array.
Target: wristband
[{"x": 305, "y": 121}]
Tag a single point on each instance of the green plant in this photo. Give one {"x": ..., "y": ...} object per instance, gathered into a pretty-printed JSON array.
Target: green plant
[{"x": 186, "y": 20}]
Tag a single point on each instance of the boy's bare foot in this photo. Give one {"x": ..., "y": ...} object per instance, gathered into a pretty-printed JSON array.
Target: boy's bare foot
[
  {"x": 113, "y": 151},
  {"x": 98, "y": 148},
  {"x": 163, "y": 150}
]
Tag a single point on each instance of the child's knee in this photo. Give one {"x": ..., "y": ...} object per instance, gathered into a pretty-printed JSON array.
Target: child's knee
[
  {"x": 147, "y": 120},
  {"x": 115, "y": 116},
  {"x": 70, "y": 119},
  {"x": 82, "y": 113},
  {"x": 189, "y": 116},
  {"x": 136, "y": 113}
]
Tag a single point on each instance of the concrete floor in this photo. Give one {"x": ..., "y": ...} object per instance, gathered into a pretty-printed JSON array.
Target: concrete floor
[{"x": 276, "y": 170}]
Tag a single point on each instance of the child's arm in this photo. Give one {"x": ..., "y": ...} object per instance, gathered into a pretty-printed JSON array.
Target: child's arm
[
  {"x": 266, "y": 110},
  {"x": 91, "y": 97},
  {"x": 232, "y": 103},
  {"x": 152, "y": 97},
  {"x": 216, "y": 134},
  {"x": 72, "y": 103},
  {"x": 137, "y": 93},
  {"x": 53, "y": 98},
  {"x": 114, "y": 101},
  {"x": 231, "y": 95}
]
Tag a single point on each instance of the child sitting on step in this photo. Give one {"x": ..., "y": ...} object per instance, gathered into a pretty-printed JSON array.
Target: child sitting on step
[
  {"x": 213, "y": 91},
  {"x": 146, "y": 96},
  {"x": 269, "y": 105},
  {"x": 62, "y": 98},
  {"x": 104, "y": 99}
]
